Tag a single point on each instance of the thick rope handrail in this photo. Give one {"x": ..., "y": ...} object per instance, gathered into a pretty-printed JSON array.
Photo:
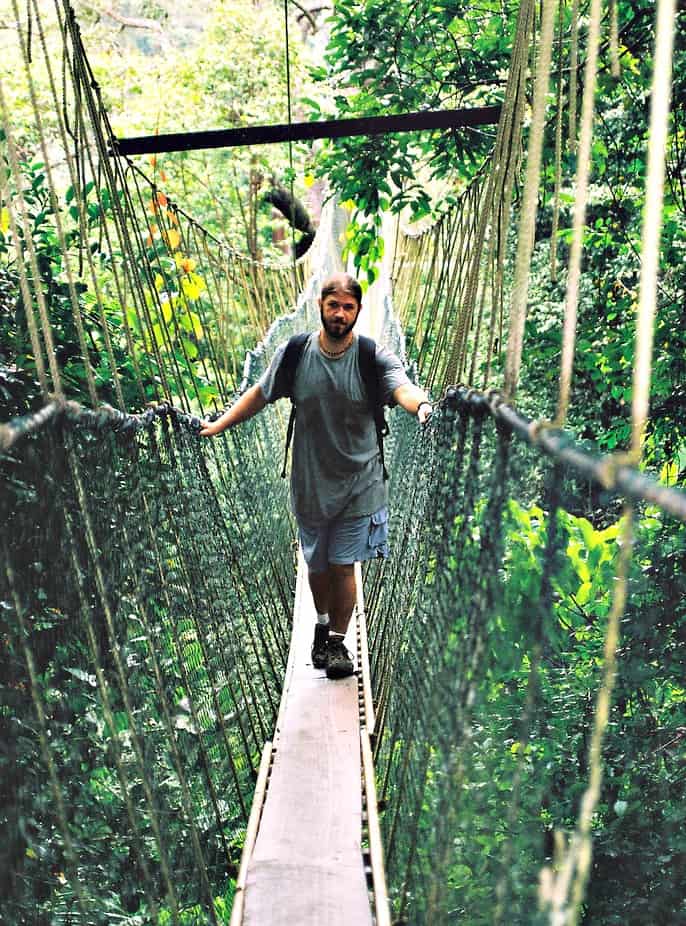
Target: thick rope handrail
[
  {"x": 612, "y": 472},
  {"x": 102, "y": 418}
]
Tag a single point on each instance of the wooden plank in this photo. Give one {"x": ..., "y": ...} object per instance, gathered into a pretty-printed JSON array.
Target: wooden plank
[
  {"x": 376, "y": 854},
  {"x": 251, "y": 834},
  {"x": 307, "y": 868},
  {"x": 364, "y": 654}
]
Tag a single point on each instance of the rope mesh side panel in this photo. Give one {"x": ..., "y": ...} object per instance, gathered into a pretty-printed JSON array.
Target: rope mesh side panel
[
  {"x": 146, "y": 303},
  {"x": 146, "y": 589},
  {"x": 487, "y": 633},
  {"x": 157, "y": 597}
]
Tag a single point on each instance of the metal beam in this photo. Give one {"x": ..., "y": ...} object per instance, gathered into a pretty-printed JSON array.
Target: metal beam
[{"x": 306, "y": 131}]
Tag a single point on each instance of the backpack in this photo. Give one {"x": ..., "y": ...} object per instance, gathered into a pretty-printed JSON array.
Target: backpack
[{"x": 285, "y": 379}]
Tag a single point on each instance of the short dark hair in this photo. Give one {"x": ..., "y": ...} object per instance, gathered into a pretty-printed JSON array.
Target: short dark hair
[{"x": 345, "y": 282}]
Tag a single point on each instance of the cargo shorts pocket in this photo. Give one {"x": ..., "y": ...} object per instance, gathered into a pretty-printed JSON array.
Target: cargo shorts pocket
[{"x": 378, "y": 532}]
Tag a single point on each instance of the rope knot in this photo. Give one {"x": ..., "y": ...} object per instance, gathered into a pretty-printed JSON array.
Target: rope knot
[
  {"x": 612, "y": 463},
  {"x": 538, "y": 426}
]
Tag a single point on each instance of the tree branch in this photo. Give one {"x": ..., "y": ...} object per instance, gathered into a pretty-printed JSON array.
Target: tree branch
[
  {"x": 130, "y": 22},
  {"x": 306, "y": 13},
  {"x": 295, "y": 212}
]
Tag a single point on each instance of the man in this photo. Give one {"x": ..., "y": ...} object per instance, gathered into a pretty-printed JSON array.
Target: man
[{"x": 338, "y": 491}]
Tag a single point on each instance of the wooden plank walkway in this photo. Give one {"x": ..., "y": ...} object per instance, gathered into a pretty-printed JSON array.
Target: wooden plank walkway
[
  {"x": 303, "y": 859},
  {"x": 307, "y": 866}
]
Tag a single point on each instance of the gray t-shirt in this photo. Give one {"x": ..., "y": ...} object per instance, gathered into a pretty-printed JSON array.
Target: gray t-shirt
[{"x": 336, "y": 471}]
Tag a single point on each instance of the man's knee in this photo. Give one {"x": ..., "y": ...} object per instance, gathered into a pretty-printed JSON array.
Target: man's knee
[{"x": 341, "y": 570}]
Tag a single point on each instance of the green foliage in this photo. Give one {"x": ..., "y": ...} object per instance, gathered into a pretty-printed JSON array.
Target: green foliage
[
  {"x": 642, "y": 804},
  {"x": 231, "y": 74},
  {"x": 385, "y": 58},
  {"x": 197, "y": 67},
  {"x": 78, "y": 268},
  {"x": 604, "y": 359}
]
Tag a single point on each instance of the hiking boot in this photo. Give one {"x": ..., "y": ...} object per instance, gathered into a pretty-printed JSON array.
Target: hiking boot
[
  {"x": 320, "y": 646},
  {"x": 339, "y": 663}
]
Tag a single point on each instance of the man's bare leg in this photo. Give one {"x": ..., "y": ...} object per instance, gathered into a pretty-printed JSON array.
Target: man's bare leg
[
  {"x": 320, "y": 586},
  {"x": 334, "y": 592},
  {"x": 339, "y": 663},
  {"x": 341, "y": 596}
]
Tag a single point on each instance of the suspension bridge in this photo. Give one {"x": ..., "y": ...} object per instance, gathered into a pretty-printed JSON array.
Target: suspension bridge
[{"x": 169, "y": 754}]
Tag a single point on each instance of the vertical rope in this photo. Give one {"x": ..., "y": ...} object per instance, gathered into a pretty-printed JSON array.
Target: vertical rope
[
  {"x": 582, "y": 179},
  {"x": 24, "y": 287},
  {"x": 558, "y": 150},
  {"x": 573, "y": 66},
  {"x": 614, "y": 37},
  {"x": 527, "y": 224},
  {"x": 652, "y": 220},
  {"x": 290, "y": 149}
]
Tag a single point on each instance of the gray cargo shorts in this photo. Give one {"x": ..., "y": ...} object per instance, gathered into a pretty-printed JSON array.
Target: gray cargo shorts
[{"x": 344, "y": 541}]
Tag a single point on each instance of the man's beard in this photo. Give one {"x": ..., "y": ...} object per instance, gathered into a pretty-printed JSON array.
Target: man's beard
[{"x": 337, "y": 333}]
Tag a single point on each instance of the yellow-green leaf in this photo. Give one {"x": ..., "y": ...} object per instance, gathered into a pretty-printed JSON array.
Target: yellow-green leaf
[{"x": 191, "y": 349}]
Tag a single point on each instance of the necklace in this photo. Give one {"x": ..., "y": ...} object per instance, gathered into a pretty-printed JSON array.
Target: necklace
[{"x": 334, "y": 354}]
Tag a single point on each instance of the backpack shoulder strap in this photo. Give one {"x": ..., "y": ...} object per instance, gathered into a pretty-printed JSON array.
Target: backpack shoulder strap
[
  {"x": 367, "y": 358},
  {"x": 285, "y": 375},
  {"x": 369, "y": 372},
  {"x": 284, "y": 382}
]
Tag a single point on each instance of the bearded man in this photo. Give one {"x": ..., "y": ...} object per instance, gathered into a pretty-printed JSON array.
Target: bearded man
[{"x": 339, "y": 494}]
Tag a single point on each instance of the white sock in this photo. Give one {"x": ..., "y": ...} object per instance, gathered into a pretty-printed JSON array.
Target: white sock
[{"x": 323, "y": 619}]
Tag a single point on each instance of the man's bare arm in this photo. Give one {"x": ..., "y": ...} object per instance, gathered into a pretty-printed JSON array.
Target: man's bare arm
[
  {"x": 414, "y": 400},
  {"x": 250, "y": 403}
]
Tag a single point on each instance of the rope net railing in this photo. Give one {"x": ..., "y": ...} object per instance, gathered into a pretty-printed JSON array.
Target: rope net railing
[
  {"x": 146, "y": 305},
  {"x": 146, "y": 611},
  {"x": 528, "y": 755},
  {"x": 487, "y": 633},
  {"x": 146, "y": 586}
]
